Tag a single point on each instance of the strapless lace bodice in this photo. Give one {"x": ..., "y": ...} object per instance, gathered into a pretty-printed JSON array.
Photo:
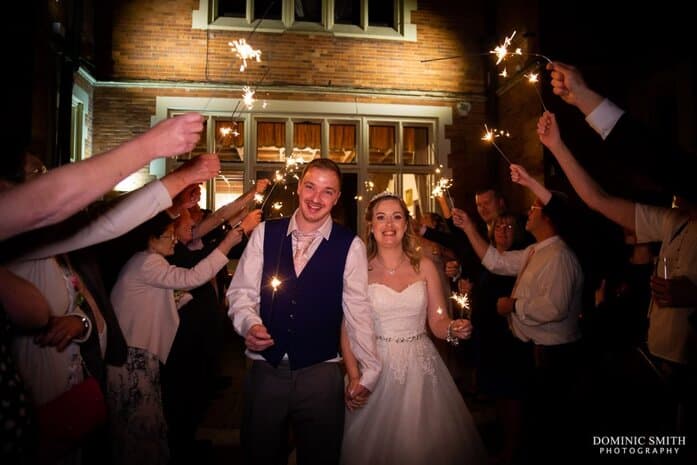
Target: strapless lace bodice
[
  {"x": 400, "y": 329},
  {"x": 398, "y": 314}
]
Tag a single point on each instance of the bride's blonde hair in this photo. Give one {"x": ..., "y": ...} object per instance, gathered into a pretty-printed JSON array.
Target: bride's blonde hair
[{"x": 410, "y": 242}]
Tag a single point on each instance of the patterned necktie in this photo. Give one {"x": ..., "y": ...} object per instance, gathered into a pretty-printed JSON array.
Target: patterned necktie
[{"x": 303, "y": 242}]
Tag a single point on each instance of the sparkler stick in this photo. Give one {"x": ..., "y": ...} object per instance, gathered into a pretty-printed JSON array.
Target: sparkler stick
[
  {"x": 533, "y": 78},
  {"x": 489, "y": 136}
]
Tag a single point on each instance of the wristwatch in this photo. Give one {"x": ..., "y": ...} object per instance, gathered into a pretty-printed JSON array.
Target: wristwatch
[{"x": 86, "y": 325}]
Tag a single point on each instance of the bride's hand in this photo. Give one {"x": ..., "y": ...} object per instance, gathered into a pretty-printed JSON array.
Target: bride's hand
[
  {"x": 356, "y": 395},
  {"x": 462, "y": 329}
]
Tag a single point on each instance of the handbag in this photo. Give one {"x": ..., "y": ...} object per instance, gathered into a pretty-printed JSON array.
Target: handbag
[{"x": 68, "y": 419}]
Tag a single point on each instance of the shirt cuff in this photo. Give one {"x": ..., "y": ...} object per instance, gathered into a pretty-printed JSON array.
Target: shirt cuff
[
  {"x": 604, "y": 117},
  {"x": 369, "y": 379}
]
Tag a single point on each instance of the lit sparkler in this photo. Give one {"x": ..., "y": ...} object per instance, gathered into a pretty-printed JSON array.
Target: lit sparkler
[
  {"x": 502, "y": 52},
  {"x": 293, "y": 165},
  {"x": 492, "y": 134},
  {"x": 244, "y": 52},
  {"x": 463, "y": 302},
  {"x": 275, "y": 283},
  {"x": 248, "y": 97},
  {"x": 533, "y": 78}
]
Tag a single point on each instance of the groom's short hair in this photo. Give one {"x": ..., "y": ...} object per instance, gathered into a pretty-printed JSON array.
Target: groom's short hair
[{"x": 323, "y": 164}]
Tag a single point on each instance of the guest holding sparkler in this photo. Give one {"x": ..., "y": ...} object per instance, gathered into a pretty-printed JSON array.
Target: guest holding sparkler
[
  {"x": 297, "y": 280},
  {"x": 542, "y": 309},
  {"x": 672, "y": 335},
  {"x": 624, "y": 136},
  {"x": 416, "y": 414}
]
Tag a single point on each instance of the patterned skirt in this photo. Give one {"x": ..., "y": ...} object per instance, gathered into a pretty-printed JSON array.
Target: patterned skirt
[{"x": 134, "y": 397}]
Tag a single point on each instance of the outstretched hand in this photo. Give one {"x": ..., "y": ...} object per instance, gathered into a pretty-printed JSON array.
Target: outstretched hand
[
  {"x": 261, "y": 185},
  {"x": 251, "y": 221},
  {"x": 461, "y": 219},
  {"x": 519, "y": 175},
  {"x": 548, "y": 131},
  {"x": 567, "y": 82},
  {"x": 461, "y": 328},
  {"x": 174, "y": 136}
]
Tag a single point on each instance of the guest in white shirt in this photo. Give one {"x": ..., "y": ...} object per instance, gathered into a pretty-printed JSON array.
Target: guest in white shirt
[{"x": 543, "y": 308}]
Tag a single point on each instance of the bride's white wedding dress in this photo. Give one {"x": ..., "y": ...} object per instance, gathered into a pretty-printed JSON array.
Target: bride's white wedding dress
[{"x": 416, "y": 415}]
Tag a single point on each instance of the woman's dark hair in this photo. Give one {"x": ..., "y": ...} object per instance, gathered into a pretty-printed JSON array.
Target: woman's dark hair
[{"x": 152, "y": 228}]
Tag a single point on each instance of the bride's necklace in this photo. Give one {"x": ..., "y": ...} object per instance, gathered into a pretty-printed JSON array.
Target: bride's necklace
[{"x": 391, "y": 271}]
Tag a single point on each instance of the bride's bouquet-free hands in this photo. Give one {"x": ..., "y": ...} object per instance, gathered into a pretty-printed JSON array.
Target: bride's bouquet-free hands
[{"x": 356, "y": 395}]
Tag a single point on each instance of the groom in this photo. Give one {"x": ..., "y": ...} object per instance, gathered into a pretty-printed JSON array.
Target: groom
[{"x": 292, "y": 329}]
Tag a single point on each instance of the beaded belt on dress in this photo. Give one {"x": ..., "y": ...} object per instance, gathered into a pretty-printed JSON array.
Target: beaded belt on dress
[{"x": 415, "y": 337}]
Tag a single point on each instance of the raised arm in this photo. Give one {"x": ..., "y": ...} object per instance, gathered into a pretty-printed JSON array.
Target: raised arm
[
  {"x": 520, "y": 175},
  {"x": 619, "y": 210},
  {"x": 226, "y": 212},
  {"x": 440, "y": 323},
  {"x": 567, "y": 83},
  {"x": 463, "y": 221},
  {"x": 60, "y": 193}
]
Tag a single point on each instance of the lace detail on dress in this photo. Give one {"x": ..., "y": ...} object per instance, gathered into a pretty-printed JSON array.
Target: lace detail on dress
[{"x": 400, "y": 320}]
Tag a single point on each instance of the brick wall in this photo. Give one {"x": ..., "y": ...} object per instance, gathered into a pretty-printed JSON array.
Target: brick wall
[{"x": 153, "y": 41}]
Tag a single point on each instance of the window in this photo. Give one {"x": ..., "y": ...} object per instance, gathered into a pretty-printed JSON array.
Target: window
[
  {"x": 382, "y": 19},
  {"x": 398, "y": 153}
]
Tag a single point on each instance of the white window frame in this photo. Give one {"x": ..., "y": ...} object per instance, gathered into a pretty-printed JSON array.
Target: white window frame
[
  {"x": 436, "y": 118},
  {"x": 205, "y": 18}
]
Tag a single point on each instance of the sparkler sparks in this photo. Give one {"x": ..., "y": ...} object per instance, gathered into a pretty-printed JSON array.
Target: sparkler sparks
[
  {"x": 275, "y": 283},
  {"x": 244, "y": 52},
  {"x": 463, "y": 302},
  {"x": 492, "y": 134},
  {"x": 248, "y": 97}
]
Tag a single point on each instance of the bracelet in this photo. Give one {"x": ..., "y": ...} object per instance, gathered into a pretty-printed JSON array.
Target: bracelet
[{"x": 452, "y": 340}]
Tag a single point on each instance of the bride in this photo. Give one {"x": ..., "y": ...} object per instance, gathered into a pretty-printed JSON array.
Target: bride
[{"x": 416, "y": 414}]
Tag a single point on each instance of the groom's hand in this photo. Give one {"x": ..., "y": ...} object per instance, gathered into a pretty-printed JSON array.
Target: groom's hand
[
  {"x": 356, "y": 395},
  {"x": 258, "y": 338}
]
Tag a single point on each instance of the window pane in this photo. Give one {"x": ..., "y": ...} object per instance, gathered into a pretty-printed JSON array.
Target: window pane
[
  {"x": 347, "y": 12},
  {"x": 201, "y": 146},
  {"x": 416, "y": 147},
  {"x": 308, "y": 10},
  {"x": 232, "y": 8},
  {"x": 227, "y": 186},
  {"x": 229, "y": 140},
  {"x": 381, "y": 13},
  {"x": 342, "y": 143},
  {"x": 271, "y": 141},
  {"x": 378, "y": 182},
  {"x": 382, "y": 145},
  {"x": 417, "y": 191},
  {"x": 267, "y": 9},
  {"x": 307, "y": 142}
]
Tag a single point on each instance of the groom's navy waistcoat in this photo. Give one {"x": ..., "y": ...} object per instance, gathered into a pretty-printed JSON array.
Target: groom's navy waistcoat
[{"x": 304, "y": 314}]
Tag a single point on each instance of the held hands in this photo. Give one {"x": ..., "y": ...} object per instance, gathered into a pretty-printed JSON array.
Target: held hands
[
  {"x": 60, "y": 331},
  {"x": 174, "y": 136},
  {"x": 258, "y": 338},
  {"x": 674, "y": 292},
  {"x": 356, "y": 395}
]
